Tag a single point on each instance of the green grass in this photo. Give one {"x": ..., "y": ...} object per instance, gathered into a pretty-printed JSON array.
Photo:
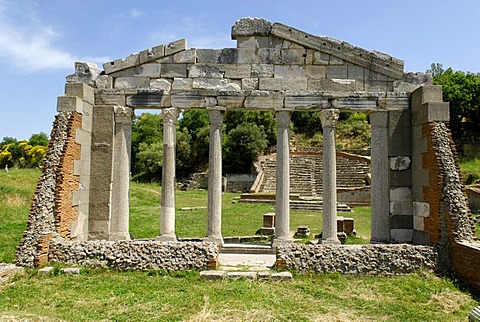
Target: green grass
[
  {"x": 99, "y": 295},
  {"x": 470, "y": 171},
  {"x": 16, "y": 192},
  {"x": 238, "y": 219}
]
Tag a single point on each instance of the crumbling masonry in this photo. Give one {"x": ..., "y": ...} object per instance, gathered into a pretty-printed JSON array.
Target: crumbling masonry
[{"x": 80, "y": 210}]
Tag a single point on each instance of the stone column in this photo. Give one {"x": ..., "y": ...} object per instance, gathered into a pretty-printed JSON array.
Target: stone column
[
  {"x": 329, "y": 120},
  {"x": 282, "y": 194},
  {"x": 119, "y": 211},
  {"x": 167, "y": 217},
  {"x": 380, "y": 178},
  {"x": 214, "y": 220}
]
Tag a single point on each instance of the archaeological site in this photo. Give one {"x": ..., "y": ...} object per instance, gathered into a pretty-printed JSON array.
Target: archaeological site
[{"x": 420, "y": 217}]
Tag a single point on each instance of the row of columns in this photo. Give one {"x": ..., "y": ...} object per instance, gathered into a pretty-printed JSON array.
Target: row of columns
[{"x": 121, "y": 176}]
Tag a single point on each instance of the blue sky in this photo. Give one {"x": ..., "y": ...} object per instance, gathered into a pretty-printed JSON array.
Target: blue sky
[{"x": 41, "y": 40}]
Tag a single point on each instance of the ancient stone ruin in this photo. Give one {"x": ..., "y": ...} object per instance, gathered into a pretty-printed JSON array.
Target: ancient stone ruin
[{"x": 80, "y": 209}]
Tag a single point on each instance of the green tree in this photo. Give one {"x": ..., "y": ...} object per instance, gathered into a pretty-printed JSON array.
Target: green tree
[
  {"x": 149, "y": 161},
  {"x": 147, "y": 129},
  {"x": 243, "y": 144},
  {"x": 462, "y": 91},
  {"x": 264, "y": 120},
  {"x": 40, "y": 139}
]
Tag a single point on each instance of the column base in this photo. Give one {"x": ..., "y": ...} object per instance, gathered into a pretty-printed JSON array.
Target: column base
[
  {"x": 281, "y": 241},
  {"x": 218, "y": 240},
  {"x": 330, "y": 241},
  {"x": 166, "y": 238},
  {"x": 119, "y": 236}
]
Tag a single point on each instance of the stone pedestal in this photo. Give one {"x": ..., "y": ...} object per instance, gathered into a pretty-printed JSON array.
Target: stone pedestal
[
  {"x": 214, "y": 220},
  {"x": 119, "y": 211},
  {"x": 167, "y": 218},
  {"x": 329, "y": 120},
  {"x": 380, "y": 178},
  {"x": 282, "y": 198}
]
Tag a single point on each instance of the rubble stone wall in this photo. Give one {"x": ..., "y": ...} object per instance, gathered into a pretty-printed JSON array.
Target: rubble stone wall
[
  {"x": 33, "y": 249},
  {"x": 135, "y": 255},
  {"x": 357, "y": 259}
]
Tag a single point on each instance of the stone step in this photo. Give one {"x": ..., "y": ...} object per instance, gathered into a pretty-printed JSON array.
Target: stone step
[
  {"x": 216, "y": 275},
  {"x": 247, "y": 249}
]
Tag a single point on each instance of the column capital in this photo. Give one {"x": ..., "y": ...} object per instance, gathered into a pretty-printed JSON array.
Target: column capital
[
  {"x": 170, "y": 115},
  {"x": 216, "y": 117},
  {"x": 379, "y": 119},
  {"x": 123, "y": 114},
  {"x": 329, "y": 117}
]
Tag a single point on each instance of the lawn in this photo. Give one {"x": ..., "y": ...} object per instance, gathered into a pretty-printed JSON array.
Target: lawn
[{"x": 103, "y": 295}]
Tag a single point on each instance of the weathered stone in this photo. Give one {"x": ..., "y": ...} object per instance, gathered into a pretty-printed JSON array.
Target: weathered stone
[
  {"x": 213, "y": 275},
  {"x": 282, "y": 276},
  {"x": 120, "y": 64},
  {"x": 161, "y": 84},
  {"x": 249, "y": 84},
  {"x": 205, "y": 71},
  {"x": 185, "y": 84},
  {"x": 187, "y": 56},
  {"x": 175, "y": 47},
  {"x": 282, "y": 84},
  {"x": 173, "y": 70},
  {"x": 400, "y": 163},
  {"x": 70, "y": 270},
  {"x": 251, "y": 27},
  {"x": 242, "y": 275}
]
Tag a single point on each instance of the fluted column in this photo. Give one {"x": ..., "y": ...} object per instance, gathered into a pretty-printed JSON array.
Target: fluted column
[
  {"x": 329, "y": 120},
  {"x": 119, "y": 211},
  {"x": 214, "y": 220},
  {"x": 167, "y": 217},
  {"x": 282, "y": 194},
  {"x": 380, "y": 178}
]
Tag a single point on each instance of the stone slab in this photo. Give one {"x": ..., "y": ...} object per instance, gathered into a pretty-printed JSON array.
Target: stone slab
[
  {"x": 45, "y": 270},
  {"x": 71, "y": 270},
  {"x": 282, "y": 276},
  {"x": 213, "y": 275},
  {"x": 242, "y": 275}
]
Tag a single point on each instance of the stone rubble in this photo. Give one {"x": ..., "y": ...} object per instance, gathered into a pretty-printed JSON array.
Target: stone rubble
[
  {"x": 357, "y": 259},
  {"x": 134, "y": 255}
]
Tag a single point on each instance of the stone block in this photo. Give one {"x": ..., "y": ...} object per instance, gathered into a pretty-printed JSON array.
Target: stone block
[
  {"x": 81, "y": 167},
  {"x": 305, "y": 101},
  {"x": 317, "y": 58},
  {"x": 71, "y": 270},
  {"x": 149, "y": 100},
  {"x": 401, "y": 194},
  {"x": 215, "y": 84},
  {"x": 104, "y": 82},
  {"x": 87, "y": 117},
  {"x": 293, "y": 56},
  {"x": 402, "y": 208},
  {"x": 245, "y": 56},
  {"x": 69, "y": 104},
  {"x": 161, "y": 84},
  {"x": 315, "y": 71},
  {"x": 355, "y": 72},
  {"x": 234, "y": 101},
  {"x": 262, "y": 70},
  {"x": 264, "y": 100},
  {"x": 187, "y": 56},
  {"x": 235, "y": 71},
  {"x": 400, "y": 163},
  {"x": 421, "y": 209},
  {"x": 282, "y": 276},
  {"x": 289, "y": 71},
  {"x": 401, "y": 178},
  {"x": 82, "y": 90},
  {"x": 378, "y": 87},
  {"x": 431, "y": 112},
  {"x": 213, "y": 275},
  {"x": 131, "y": 82},
  {"x": 421, "y": 238},
  {"x": 418, "y": 223},
  {"x": 120, "y": 64},
  {"x": 80, "y": 197},
  {"x": 340, "y": 72},
  {"x": 205, "y": 71},
  {"x": 401, "y": 222},
  {"x": 282, "y": 84},
  {"x": 151, "y": 70},
  {"x": 184, "y": 84},
  {"x": 45, "y": 270},
  {"x": 187, "y": 100},
  {"x": 264, "y": 275},
  {"x": 268, "y": 56},
  {"x": 401, "y": 235},
  {"x": 242, "y": 275},
  {"x": 175, "y": 47},
  {"x": 110, "y": 97},
  {"x": 249, "y": 84},
  {"x": 426, "y": 93},
  {"x": 173, "y": 70},
  {"x": 208, "y": 56},
  {"x": 332, "y": 85},
  {"x": 335, "y": 61},
  {"x": 254, "y": 42},
  {"x": 152, "y": 54}
]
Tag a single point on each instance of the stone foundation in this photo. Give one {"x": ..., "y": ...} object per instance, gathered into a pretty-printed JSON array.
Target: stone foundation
[
  {"x": 368, "y": 260},
  {"x": 135, "y": 255}
]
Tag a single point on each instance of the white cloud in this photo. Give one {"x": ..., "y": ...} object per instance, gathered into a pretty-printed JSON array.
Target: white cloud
[
  {"x": 135, "y": 13},
  {"x": 30, "y": 46}
]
